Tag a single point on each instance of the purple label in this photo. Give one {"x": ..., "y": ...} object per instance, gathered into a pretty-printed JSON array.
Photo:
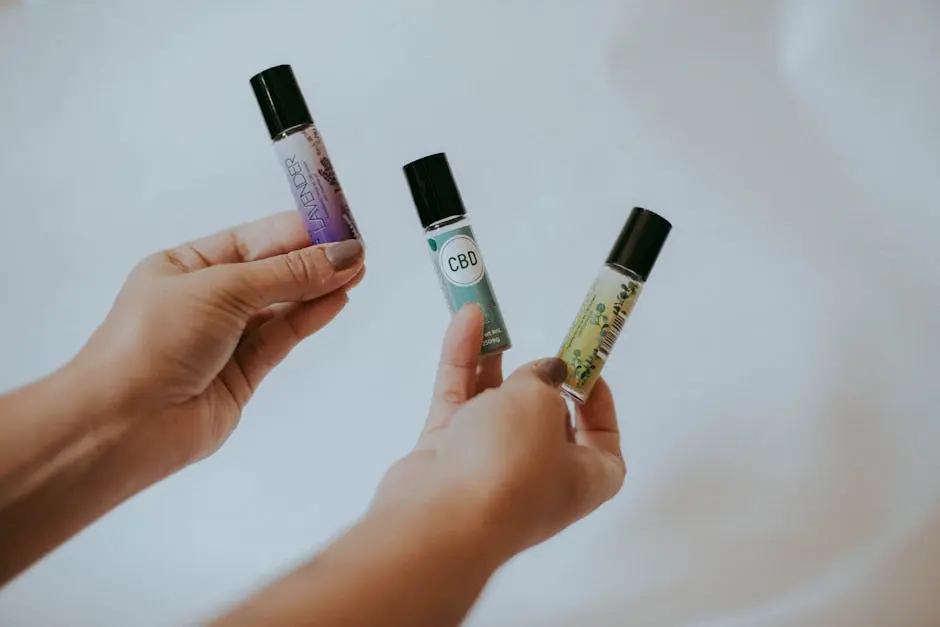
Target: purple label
[{"x": 316, "y": 188}]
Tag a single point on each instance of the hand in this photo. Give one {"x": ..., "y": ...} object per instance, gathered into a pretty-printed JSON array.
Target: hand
[
  {"x": 497, "y": 469},
  {"x": 195, "y": 329},
  {"x": 505, "y": 455}
]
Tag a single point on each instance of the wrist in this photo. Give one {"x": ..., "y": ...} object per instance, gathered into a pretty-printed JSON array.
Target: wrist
[{"x": 455, "y": 524}]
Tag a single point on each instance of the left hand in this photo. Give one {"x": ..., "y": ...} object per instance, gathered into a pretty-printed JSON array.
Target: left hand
[{"x": 196, "y": 328}]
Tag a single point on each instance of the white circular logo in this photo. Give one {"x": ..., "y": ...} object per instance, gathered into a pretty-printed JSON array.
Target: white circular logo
[{"x": 460, "y": 261}]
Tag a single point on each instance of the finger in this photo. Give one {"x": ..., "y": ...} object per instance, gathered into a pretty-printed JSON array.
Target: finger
[
  {"x": 277, "y": 308},
  {"x": 489, "y": 372},
  {"x": 596, "y": 421},
  {"x": 455, "y": 382},
  {"x": 598, "y": 468},
  {"x": 266, "y": 314},
  {"x": 296, "y": 276},
  {"x": 267, "y": 237},
  {"x": 569, "y": 428},
  {"x": 356, "y": 280},
  {"x": 549, "y": 371},
  {"x": 266, "y": 346},
  {"x": 596, "y": 476}
]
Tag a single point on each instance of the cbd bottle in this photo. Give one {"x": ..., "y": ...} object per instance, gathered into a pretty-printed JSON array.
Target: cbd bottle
[
  {"x": 303, "y": 156},
  {"x": 453, "y": 247},
  {"x": 610, "y": 301}
]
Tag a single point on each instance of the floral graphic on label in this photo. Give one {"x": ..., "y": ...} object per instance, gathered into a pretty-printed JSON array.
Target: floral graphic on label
[
  {"x": 328, "y": 174},
  {"x": 595, "y": 330}
]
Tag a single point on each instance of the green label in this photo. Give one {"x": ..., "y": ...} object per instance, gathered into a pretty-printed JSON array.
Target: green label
[
  {"x": 463, "y": 277},
  {"x": 595, "y": 329}
]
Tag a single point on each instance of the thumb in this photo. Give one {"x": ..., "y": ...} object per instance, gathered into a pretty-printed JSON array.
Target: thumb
[
  {"x": 297, "y": 276},
  {"x": 549, "y": 372},
  {"x": 535, "y": 387}
]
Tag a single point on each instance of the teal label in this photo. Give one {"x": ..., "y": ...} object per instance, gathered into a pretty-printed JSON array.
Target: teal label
[{"x": 463, "y": 277}]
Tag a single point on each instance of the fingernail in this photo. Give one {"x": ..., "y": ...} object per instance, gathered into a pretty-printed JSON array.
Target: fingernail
[
  {"x": 552, "y": 369},
  {"x": 342, "y": 255},
  {"x": 468, "y": 306}
]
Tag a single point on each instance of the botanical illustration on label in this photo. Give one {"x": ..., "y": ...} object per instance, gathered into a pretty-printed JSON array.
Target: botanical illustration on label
[
  {"x": 596, "y": 327},
  {"x": 463, "y": 278},
  {"x": 315, "y": 187}
]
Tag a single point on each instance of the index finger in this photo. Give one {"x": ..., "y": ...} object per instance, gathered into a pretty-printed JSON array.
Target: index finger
[
  {"x": 596, "y": 423},
  {"x": 456, "y": 378}
]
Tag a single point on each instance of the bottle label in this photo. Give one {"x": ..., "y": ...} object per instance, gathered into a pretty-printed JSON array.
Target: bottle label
[
  {"x": 463, "y": 278},
  {"x": 595, "y": 329},
  {"x": 315, "y": 187},
  {"x": 460, "y": 261}
]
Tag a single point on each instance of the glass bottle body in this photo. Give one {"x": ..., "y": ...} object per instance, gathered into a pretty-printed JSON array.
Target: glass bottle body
[
  {"x": 463, "y": 277},
  {"x": 596, "y": 328},
  {"x": 314, "y": 185}
]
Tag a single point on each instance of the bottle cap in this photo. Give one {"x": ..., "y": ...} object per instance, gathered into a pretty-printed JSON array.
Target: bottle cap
[
  {"x": 639, "y": 242},
  {"x": 282, "y": 104},
  {"x": 433, "y": 189}
]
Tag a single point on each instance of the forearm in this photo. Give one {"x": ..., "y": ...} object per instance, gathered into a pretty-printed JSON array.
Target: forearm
[
  {"x": 38, "y": 422},
  {"x": 65, "y": 470},
  {"x": 414, "y": 569}
]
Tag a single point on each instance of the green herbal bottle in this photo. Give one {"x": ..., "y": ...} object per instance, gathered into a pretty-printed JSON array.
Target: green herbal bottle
[
  {"x": 610, "y": 300},
  {"x": 453, "y": 247}
]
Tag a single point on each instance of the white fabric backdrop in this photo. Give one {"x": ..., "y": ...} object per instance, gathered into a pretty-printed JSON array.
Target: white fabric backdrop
[{"x": 778, "y": 383}]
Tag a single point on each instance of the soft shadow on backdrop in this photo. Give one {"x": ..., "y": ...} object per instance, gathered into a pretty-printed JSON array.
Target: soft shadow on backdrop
[
  {"x": 817, "y": 120},
  {"x": 777, "y": 383}
]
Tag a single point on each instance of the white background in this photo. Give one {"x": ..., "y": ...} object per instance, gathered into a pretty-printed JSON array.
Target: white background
[{"x": 777, "y": 384}]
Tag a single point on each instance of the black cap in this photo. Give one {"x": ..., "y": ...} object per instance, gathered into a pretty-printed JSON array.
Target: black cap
[
  {"x": 640, "y": 241},
  {"x": 282, "y": 104},
  {"x": 433, "y": 189}
]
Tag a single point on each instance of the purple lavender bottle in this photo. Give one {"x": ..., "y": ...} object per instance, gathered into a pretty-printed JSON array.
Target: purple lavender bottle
[{"x": 303, "y": 157}]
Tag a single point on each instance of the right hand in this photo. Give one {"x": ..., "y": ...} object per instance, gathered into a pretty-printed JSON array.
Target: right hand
[{"x": 507, "y": 457}]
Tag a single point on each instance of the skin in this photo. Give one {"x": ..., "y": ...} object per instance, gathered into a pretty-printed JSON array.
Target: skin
[
  {"x": 162, "y": 382},
  {"x": 498, "y": 468}
]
